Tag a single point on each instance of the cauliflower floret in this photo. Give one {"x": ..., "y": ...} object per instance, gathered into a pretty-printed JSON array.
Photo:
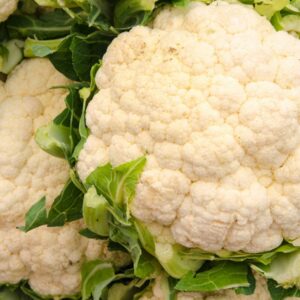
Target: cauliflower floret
[
  {"x": 49, "y": 258},
  {"x": 210, "y": 95},
  {"x": 7, "y": 7}
]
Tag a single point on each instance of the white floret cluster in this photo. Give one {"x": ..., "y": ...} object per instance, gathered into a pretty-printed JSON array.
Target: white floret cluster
[{"x": 211, "y": 95}]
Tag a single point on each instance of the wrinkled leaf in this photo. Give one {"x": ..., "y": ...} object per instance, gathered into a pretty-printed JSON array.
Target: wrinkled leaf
[
  {"x": 127, "y": 238},
  {"x": 96, "y": 275},
  {"x": 50, "y": 25},
  {"x": 264, "y": 258},
  {"x": 36, "y": 216},
  {"x": 62, "y": 59},
  {"x": 118, "y": 184},
  {"x": 222, "y": 275},
  {"x": 86, "y": 51},
  {"x": 130, "y": 13},
  {"x": 66, "y": 207}
]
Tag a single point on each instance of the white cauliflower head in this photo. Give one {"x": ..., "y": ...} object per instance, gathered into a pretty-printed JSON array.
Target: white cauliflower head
[
  {"x": 7, "y": 7},
  {"x": 211, "y": 94},
  {"x": 50, "y": 258}
]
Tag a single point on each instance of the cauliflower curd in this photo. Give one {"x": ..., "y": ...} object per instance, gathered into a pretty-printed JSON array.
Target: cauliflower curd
[
  {"x": 50, "y": 258},
  {"x": 211, "y": 94}
]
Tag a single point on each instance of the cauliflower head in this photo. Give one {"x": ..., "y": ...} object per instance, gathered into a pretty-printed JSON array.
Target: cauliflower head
[
  {"x": 7, "y": 7},
  {"x": 211, "y": 95},
  {"x": 49, "y": 258}
]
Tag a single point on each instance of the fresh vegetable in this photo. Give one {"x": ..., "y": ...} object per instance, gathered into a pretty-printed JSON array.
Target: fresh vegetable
[
  {"x": 182, "y": 151},
  {"x": 220, "y": 172},
  {"x": 49, "y": 258},
  {"x": 209, "y": 130}
]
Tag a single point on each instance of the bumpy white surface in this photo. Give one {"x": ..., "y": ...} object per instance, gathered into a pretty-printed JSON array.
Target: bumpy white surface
[
  {"x": 7, "y": 7},
  {"x": 211, "y": 94},
  {"x": 50, "y": 258}
]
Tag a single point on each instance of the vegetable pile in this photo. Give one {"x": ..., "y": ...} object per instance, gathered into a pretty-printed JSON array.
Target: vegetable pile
[{"x": 149, "y": 150}]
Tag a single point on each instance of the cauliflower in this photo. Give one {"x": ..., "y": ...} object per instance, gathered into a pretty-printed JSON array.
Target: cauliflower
[
  {"x": 50, "y": 258},
  {"x": 211, "y": 95},
  {"x": 7, "y": 7}
]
